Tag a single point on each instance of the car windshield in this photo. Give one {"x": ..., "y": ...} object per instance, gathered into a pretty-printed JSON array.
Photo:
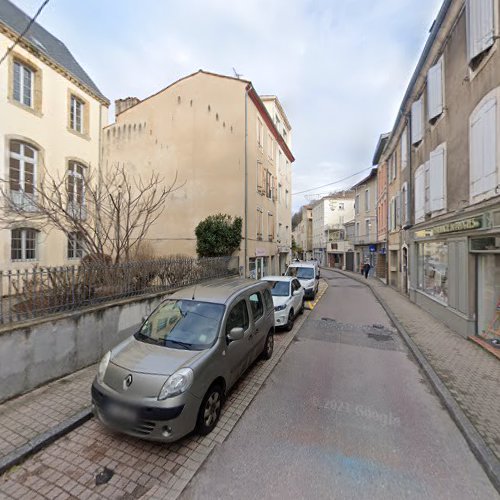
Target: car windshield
[
  {"x": 301, "y": 272},
  {"x": 183, "y": 324},
  {"x": 280, "y": 288}
]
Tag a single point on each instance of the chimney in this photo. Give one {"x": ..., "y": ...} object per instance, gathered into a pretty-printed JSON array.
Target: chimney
[{"x": 122, "y": 104}]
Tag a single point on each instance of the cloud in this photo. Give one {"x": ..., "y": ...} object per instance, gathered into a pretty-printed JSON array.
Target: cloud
[{"x": 339, "y": 67}]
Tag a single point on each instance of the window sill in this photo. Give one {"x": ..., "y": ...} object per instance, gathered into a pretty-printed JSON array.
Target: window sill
[
  {"x": 485, "y": 58},
  {"x": 82, "y": 135},
  {"x": 34, "y": 111}
]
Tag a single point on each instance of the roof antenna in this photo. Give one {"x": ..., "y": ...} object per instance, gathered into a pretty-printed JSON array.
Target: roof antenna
[
  {"x": 236, "y": 74},
  {"x": 194, "y": 291}
]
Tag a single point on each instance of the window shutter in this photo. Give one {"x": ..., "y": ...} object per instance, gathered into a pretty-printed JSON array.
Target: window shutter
[
  {"x": 490, "y": 146},
  {"x": 404, "y": 148},
  {"x": 476, "y": 155},
  {"x": 437, "y": 185},
  {"x": 480, "y": 26},
  {"x": 416, "y": 122},
  {"x": 398, "y": 210},
  {"x": 435, "y": 90},
  {"x": 419, "y": 193}
]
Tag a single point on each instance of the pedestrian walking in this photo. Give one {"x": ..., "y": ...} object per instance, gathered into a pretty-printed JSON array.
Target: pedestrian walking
[{"x": 366, "y": 269}]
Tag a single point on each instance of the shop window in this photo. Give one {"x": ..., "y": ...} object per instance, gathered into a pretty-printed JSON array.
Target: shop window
[{"x": 432, "y": 272}]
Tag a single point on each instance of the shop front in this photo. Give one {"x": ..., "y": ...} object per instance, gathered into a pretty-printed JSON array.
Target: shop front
[{"x": 456, "y": 272}]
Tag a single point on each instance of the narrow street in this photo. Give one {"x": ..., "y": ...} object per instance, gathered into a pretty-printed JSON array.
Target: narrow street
[{"x": 345, "y": 414}]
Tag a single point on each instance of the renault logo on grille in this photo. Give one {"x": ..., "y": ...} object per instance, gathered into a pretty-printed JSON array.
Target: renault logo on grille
[{"x": 127, "y": 382}]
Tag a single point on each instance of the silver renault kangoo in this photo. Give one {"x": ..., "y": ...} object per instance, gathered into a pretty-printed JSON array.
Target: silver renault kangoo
[{"x": 172, "y": 375}]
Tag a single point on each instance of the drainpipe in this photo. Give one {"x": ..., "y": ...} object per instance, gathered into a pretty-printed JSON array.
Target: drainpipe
[{"x": 245, "y": 252}]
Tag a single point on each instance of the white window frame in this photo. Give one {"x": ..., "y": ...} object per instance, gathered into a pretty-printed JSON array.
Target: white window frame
[
  {"x": 24, "y": 238},
  {"x": 435, "y": 93},
  {"x": 417, "y": 121},
  {"x": 76, "y": 114},
  {"x": 25, "y": 93},
  {"x": 75, "y": 247},
  {"x": 20, "y": 197}
]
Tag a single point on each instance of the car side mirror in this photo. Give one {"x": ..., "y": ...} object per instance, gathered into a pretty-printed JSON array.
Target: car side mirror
[{"x": 236, "y": 333}]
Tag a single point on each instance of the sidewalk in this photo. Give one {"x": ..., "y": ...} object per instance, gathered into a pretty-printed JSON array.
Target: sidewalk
[
  {"x": 40, "y": 416},
  {"x": 470, "y": 374}
]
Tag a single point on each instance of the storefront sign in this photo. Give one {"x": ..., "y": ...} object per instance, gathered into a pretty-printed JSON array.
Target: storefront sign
[
  {"x": 451, "y": 227},
  {"x": 260, "y": 252}
]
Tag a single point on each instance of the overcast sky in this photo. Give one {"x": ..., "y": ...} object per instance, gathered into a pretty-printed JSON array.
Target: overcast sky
[{"x": 339, "y": 67}]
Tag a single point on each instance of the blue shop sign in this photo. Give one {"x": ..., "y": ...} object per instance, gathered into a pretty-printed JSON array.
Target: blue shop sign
[{"x": 373, "y": 248}]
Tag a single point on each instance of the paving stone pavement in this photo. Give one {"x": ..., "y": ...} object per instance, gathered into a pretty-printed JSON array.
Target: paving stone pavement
[
  {"x": 27, "y": 416},
  {"x": 470, "y": 373},
  {"x": 141, "y": 469}
]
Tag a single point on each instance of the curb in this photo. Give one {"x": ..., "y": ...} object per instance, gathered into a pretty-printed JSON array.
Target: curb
[
  {"x": 479, "y": 448},
  {"x": 18, "y": 455}
]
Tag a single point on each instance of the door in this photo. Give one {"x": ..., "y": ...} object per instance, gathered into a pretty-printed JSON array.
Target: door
[
  {"x": 238, "y": 351},
  {"x": 488, "y": 295},
  {"x": 259, "y": 331}
]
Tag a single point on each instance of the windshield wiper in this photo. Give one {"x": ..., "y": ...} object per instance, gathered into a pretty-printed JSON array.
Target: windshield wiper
[
  {"x": 146, "y": 338},
  {"x": 186, "y": 345}
]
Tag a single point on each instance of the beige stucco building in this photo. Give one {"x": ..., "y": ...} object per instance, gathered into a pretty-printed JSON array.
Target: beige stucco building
[
  {"x": 330, "y": 214},
  {"x": 303, "y": 233},
  {"x": 51, "y": 119},
  {"x": 230, "y": 155},
  {"x": 365, "y": 222}
]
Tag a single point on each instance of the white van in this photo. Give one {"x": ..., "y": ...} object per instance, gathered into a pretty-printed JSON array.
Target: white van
[{"x": 308, "y": 275}]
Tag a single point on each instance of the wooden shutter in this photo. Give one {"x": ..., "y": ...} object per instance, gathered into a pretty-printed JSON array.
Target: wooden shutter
[
  {"x": 435, "y": 90},
  {"x": 419, "y": 193},
  {"x": 416, "y": 122},
  {"x": 260, "y": 184},
  {"x": 490, "y": 146},
  {"x": 398, "y": 209},
  {"x": 437, "y": 175},
  {"x": 480, "y": 26},
  {"x": 404, "y": 148}
]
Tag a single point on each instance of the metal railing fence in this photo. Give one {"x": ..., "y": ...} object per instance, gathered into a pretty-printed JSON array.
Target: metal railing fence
[{"x": 41, "y": 291}]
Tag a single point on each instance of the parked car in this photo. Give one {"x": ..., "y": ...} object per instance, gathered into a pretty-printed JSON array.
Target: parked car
[
  {"x": 288, "y": 299},
  {"x": 306, "y": 273},
  {"x": 173, "y": 374}
]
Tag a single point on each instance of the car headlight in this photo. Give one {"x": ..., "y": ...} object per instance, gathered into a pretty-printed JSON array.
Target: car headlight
[
  {"x": 177, "y": 383},
  {"x": 103, "y": 365},
  {"x": 280, "y": 308}
]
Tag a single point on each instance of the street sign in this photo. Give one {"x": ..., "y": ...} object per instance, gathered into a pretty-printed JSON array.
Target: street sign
[{"x": 373, "y": 248}]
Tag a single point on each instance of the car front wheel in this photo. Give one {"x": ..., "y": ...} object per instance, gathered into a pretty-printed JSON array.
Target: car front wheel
[
  {"x": 291, "y": 317},
  {"x": 210, "y": 410}
]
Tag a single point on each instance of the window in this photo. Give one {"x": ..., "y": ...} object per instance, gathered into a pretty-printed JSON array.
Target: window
[
  {"x": 480, "y": 27},
  {"x": 437, "y": 179},
  {"x": 24, "y": 79},
  {"x": 260, "y": 133},
  {"x": 76, "y": 186},
  {"x": 261, "y": 178},
  {"x": 435, "y": 90},
  {"x": 356, "y": 233},
  {"x": 280, "y": 196},
  {"x": 417, "y": 129},
  {"x": 404, "y": 204},
  {"x": 270, "y": 226},
  {"x": 76, "y": 114},
  {"x": 23, "y": 160},
  {"x": 286, "y": 198},
  {"x": 283, "y": 133},
  {"x": 341, "y": 206},
  {"x": 238, "y": 317},
  {"x": 269, "y": 184},
  {"x": 75, "y": 246},
  {"x": 256, "y": 305},
  {"x": 259, "y": 223},
  {"x": 367, "y": 200},
  {"x": 432, "y": 270},
  {"x": 356, "y": 204},
  {"x": 404, "y": 148},
  {"x": 483, "y": 150},
  {"x": 270, "y": 147},
  {"x": 24, "y": 244},
  {"x": 367, "y": 227}
]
